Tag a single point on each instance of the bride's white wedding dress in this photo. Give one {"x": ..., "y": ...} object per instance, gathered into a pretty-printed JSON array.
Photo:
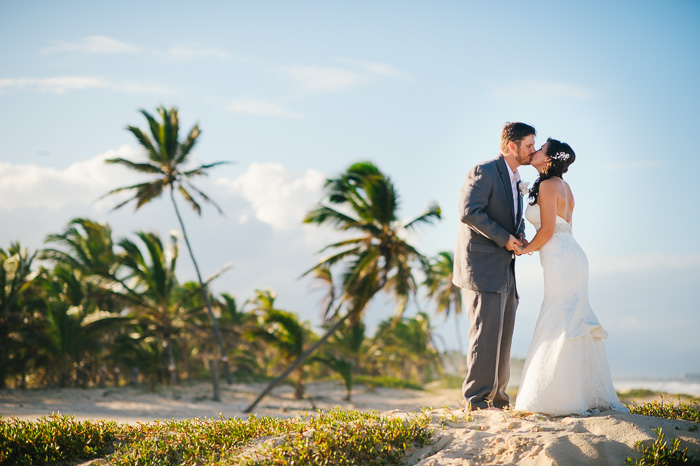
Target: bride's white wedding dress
[{"x": 566, "y": 370}]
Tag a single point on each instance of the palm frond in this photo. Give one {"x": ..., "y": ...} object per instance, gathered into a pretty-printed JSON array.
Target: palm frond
[
  {"x": 124, "y": 188},
  {"x": 170, "y": 128},
  {"x": 429, "y": 216},
  {"x": 364, "y": 265},
  {"x": 346, "y": 242},
  {"x": 201, "y": 170},
  {"x": 149, "y": 192},
  {"x": 189, "y": 143},
  {"x": 157, "y": 133},
  {"x": 328, "y": 215},
  {"x": 330, "y": 261},
  {"x": 123, "y": 203},
  {"x": 188, "y": 197},
  {"x": 56, "y": 255},
  {"x": 145, "y": 142},
  {"x": 139, "y": 167},
  {"x": 205, "y": 197}
]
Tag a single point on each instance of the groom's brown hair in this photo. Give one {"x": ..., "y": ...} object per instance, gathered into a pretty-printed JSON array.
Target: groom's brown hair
[{"x": 515, "y": 132}]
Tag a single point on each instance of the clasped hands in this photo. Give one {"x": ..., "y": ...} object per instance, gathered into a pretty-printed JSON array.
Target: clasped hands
[{"x": 517, "y": 245}]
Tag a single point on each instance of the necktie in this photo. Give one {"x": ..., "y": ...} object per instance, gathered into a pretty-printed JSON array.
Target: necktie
[
  {"x": 520, "y": 201},
  {"x": 516, "y": 195}
]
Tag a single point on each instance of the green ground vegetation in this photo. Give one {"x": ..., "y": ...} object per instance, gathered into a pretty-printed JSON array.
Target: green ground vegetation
[
  {"x": 658, "y": 452},
  {"x": 329, "y": 438}
]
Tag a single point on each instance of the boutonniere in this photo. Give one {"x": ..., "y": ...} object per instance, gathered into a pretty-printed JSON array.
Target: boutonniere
[{"x": 524, "y": 188}]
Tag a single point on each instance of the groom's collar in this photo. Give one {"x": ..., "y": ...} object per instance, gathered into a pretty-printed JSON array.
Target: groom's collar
[{"x": 511, "y": 173}]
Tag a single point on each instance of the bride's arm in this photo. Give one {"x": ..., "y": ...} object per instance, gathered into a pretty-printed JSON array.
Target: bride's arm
[{"x": 547, "y": 200}]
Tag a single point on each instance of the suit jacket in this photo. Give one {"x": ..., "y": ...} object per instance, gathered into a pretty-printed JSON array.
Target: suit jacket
[{"x": 488, "y": 219}]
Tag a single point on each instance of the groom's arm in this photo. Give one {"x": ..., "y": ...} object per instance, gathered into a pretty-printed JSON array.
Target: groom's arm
[{"x": 473, "y": 201}]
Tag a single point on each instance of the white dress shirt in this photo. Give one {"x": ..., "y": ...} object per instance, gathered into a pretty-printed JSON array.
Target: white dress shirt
[{"x": 514, "y": 178}]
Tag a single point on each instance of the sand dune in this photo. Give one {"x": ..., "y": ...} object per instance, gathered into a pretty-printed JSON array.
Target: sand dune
[{"x": 504, "y": 438}]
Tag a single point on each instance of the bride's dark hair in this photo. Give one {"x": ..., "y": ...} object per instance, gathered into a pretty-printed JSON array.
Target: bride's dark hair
[{"x": 561, "y": 156}]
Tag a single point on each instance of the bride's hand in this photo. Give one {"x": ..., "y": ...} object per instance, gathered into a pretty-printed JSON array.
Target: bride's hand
[
  {"x": 518, "y": 250},
  {"x": 523, "y": 241},
  {"x": 512, "y": 243}
]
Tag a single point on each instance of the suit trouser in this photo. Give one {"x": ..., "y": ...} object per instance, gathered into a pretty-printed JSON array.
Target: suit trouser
[{"x": 492, "y": 319}]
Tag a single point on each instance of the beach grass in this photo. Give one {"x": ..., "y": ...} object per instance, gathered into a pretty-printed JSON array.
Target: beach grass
[
  {"x": 325, "y": 437},
  {"x": 658, "y": 452},
  {"x": 668, "y": 409},
  {"x": 387, "y": 382},
  {"x": 333, "y": 437}
]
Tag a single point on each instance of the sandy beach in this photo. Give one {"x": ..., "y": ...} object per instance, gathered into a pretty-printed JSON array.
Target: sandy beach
[
  {"x": 194, "y": 400},
  {"x": 483, "y": 438}
]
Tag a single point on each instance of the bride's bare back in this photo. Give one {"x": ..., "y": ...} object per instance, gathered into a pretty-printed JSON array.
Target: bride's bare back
[
  {"x": 564, "y": 197},
  {"x": 554, "y": 199}
]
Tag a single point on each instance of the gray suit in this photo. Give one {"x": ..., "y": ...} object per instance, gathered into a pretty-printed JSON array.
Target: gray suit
[{"x": 485, "y": 270}]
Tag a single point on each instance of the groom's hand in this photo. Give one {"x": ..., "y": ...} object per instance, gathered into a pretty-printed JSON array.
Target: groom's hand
[
  {"x": 523, "y": 241},
  {"x": 512, "y": 243}
]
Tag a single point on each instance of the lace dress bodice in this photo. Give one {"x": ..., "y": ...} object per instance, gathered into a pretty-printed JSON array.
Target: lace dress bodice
[{"x": 532, "y": 214}]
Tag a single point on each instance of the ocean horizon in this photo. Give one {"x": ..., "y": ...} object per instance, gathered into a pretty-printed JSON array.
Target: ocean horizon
[{"x": 685, "y": 384}]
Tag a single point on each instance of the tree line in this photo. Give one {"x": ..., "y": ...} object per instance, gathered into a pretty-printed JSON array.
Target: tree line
[{"x": 89, "y": 310}]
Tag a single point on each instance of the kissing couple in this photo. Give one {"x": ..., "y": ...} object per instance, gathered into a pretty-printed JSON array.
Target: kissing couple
[{"x": 566, "y": 369}]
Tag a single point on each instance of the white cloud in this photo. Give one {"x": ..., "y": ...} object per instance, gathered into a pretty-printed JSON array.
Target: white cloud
[
  {"x": 92, "y": 45},
  {"x": 196, "y": 52},
  {"x": 645, "y": 263},
  {"x": 277, "y": 197},
  {"x": 55, "y": 85},
  {"x": 132, "y": 87},
  {"x": 324, "y": 79},
  {"x": 32, "y": 186},
  {"x": 102, "y": 45},
  {"x": 63, "y": 84},
  {"x": 379, "y": 69},
  {"x": 531, "y": 90},
  {"x": 262, "y": 108}
]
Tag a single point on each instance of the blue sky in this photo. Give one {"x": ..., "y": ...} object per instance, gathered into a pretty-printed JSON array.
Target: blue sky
[{"x": 294, "y": 92}]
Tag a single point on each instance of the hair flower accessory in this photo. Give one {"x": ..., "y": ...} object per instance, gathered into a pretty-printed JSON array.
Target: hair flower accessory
[
  {"x": 561, "y": 156},
  {"x": 524, "y": 188}
]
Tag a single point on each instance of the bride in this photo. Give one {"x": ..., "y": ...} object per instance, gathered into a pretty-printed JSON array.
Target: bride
[{"x": 566, "y": 370}]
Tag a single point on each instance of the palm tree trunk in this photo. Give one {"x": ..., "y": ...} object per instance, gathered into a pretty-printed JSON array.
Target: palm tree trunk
[
  {"x": 205, "y": 295},
  {"x": 4, "y": 352},
  {"x": 298, "y": 362},
  {"x": 172, "y": 369},
  {"x": 299, "y": 385},
  {"x": 215, "y": 378}
]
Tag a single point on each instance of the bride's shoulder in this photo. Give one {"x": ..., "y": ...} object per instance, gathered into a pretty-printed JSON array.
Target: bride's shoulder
[
  {"x": 554, "y": 184},
  {"x": 550, "y": 185}
]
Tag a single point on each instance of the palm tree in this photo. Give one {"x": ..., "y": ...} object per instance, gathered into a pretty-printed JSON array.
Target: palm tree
[
  {"x": 407, "y": 344},
  {"x": 236, "y": 323},
  {"x": 150, "y": 289},
  {"x": 344, "y": 353},
  {"x": 283, "y": 331},
  {"x": 167, "y": 157},
  {"x": 142, "y": 352},
  {"x": 364, "y": 202},
  {"x": 86, "y": 248},
  {"x": 446, "y": 294},
  {"x": 72, "y": 330},
  {"x": 15, "y": 280}
]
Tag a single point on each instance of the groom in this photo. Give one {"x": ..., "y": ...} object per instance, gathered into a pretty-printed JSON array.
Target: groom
[{"x": 491, "y": 211}]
